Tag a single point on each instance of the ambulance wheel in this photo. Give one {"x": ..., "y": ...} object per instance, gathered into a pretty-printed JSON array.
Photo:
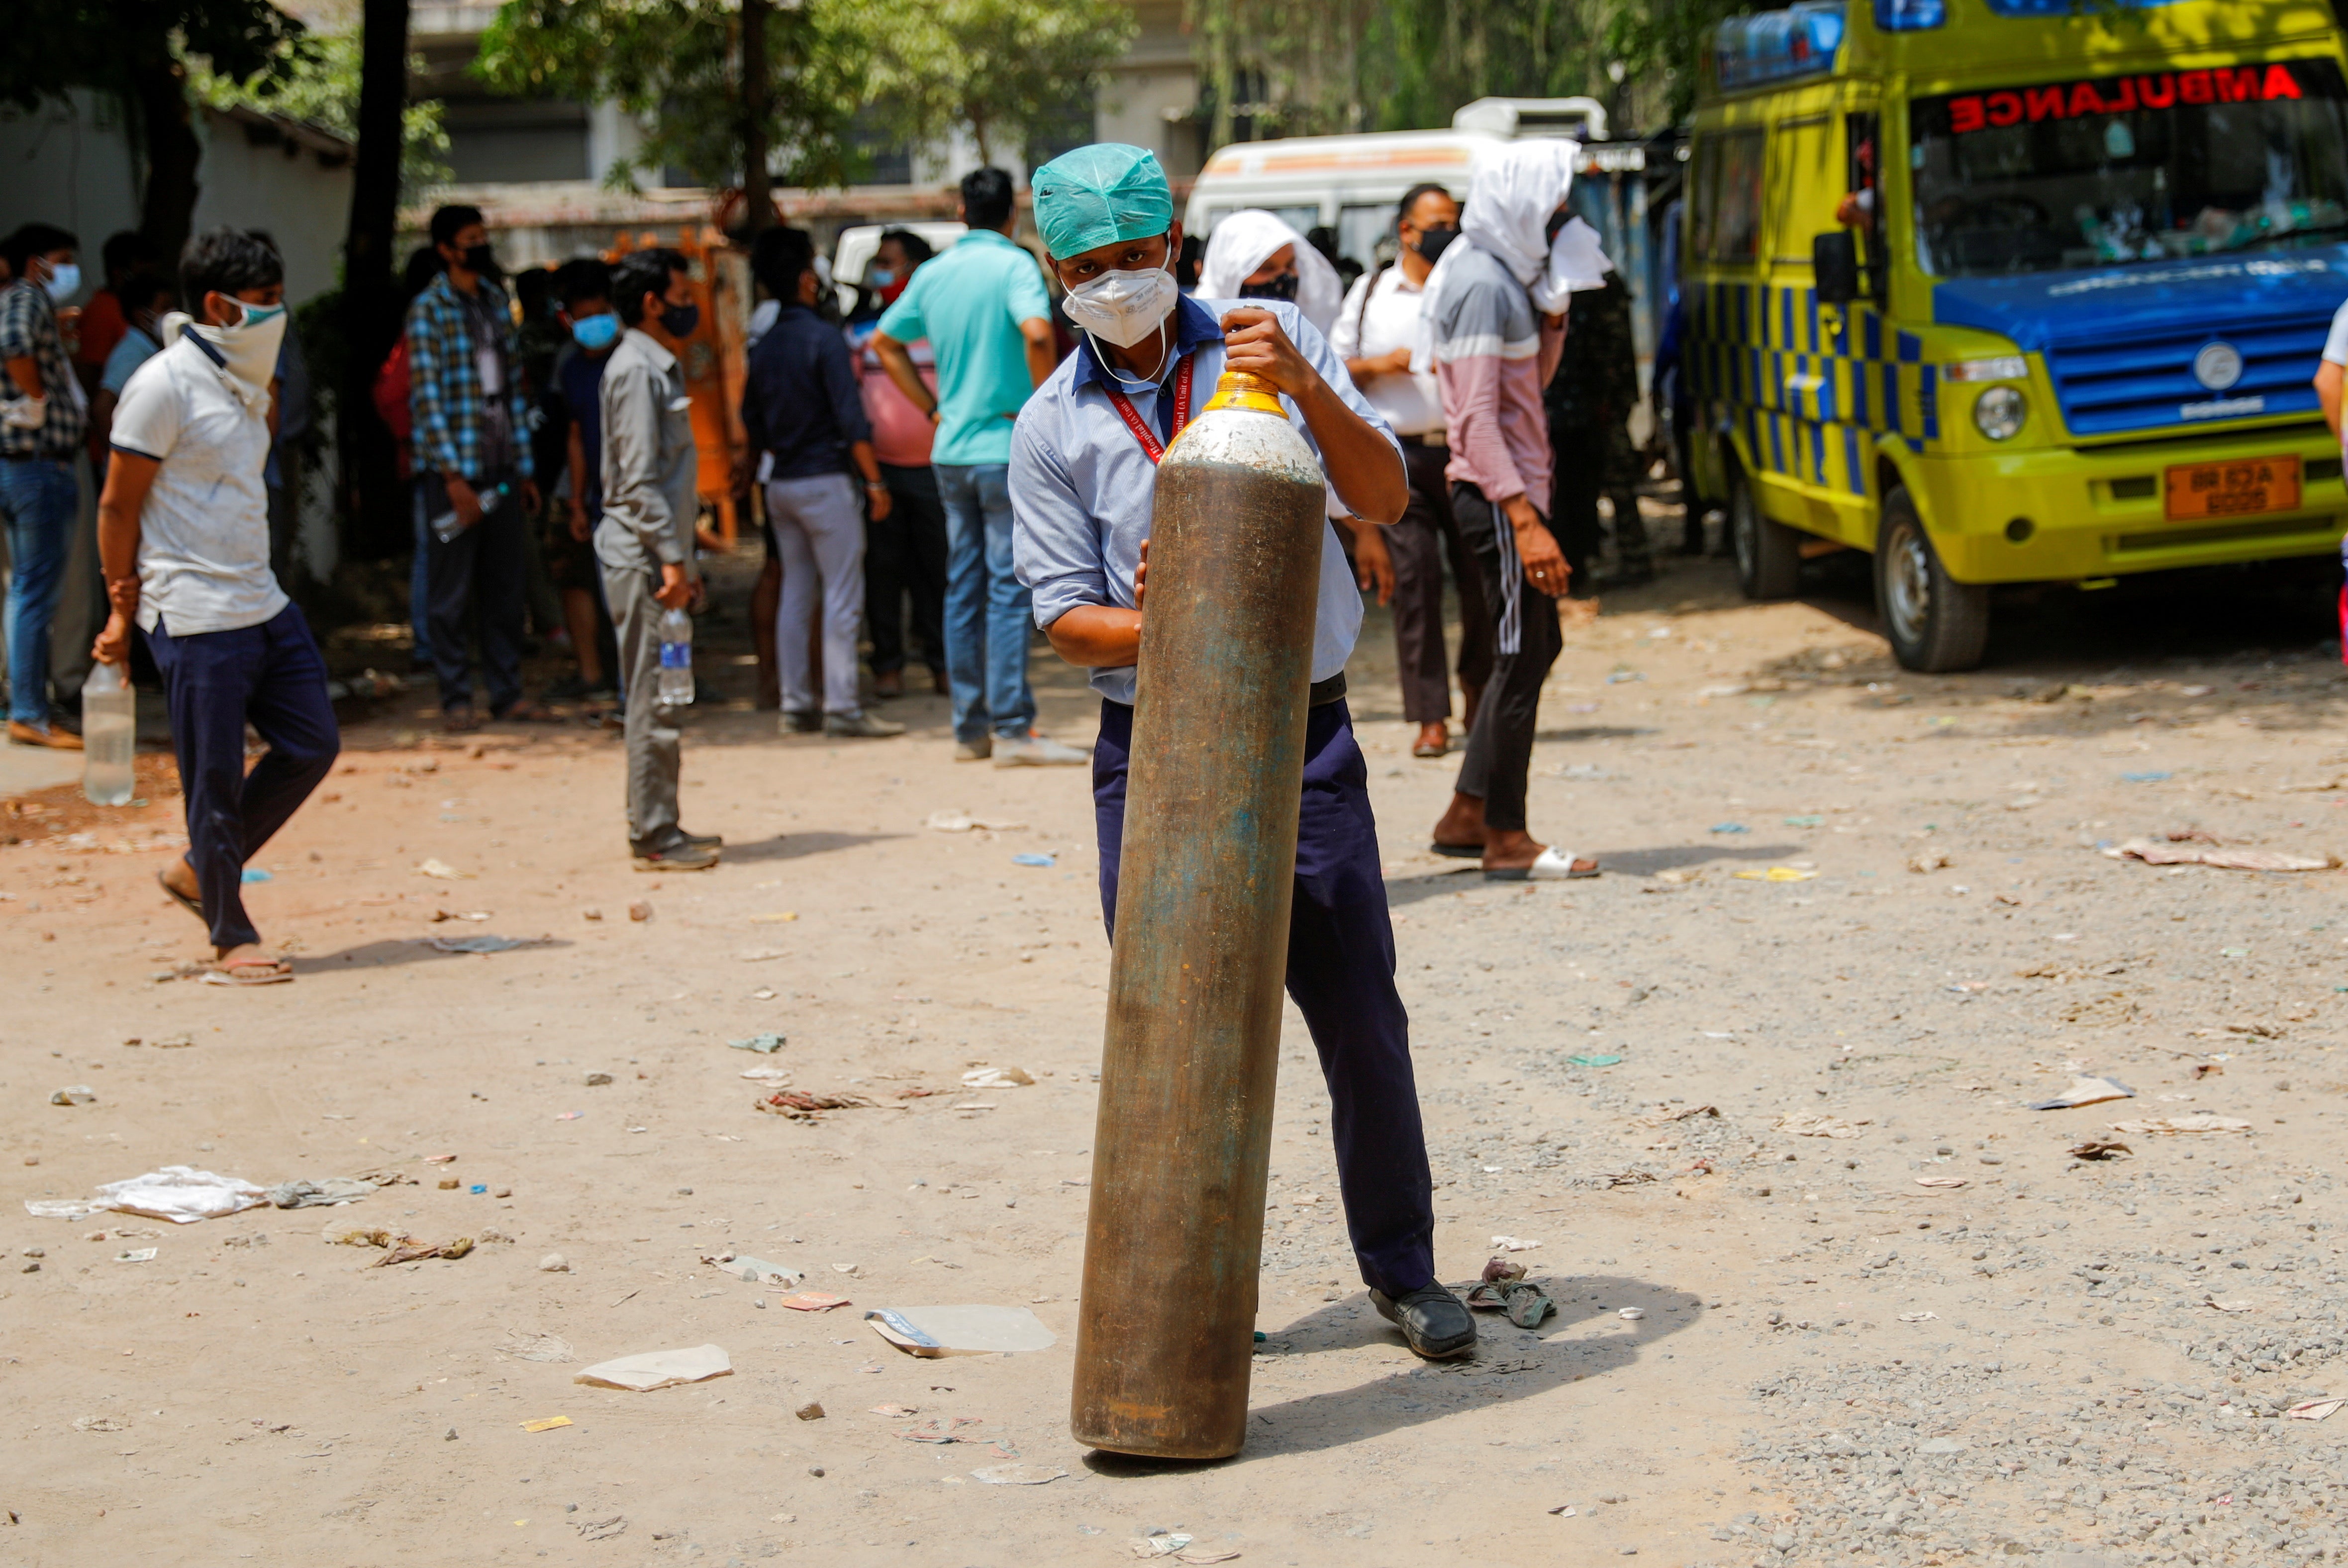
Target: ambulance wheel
[
  {"x": 1769, "y": 553},
  {"x": 1935, "y": 622}
]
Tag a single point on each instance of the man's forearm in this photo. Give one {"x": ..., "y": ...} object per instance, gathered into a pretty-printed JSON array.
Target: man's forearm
[
  {"x": 1041, "y": 360},
  {"x": 1097, "y": 636},
  {"x": 1365, "y": 469},
  {"x": 898, "y": 362},
  {"x": 26, "y": 372}
]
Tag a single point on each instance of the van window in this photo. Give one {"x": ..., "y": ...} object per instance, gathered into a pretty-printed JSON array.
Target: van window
[
  {"x": 2114, "y": 170},
  {"x": 1725, "y": 222},
  {"x": 1359, "y": 230}
]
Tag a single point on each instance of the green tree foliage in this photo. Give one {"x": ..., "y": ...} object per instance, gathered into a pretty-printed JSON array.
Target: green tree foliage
[
  {"x": 321, "y": 85},
  {"x": 1000, "y": 69},
  {"x": 1659, "y": 42},
  {"x": 677, "y": 65}
]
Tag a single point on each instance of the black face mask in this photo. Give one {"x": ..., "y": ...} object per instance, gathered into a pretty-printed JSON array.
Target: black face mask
[
  {"x": 679, "y": 320},
  {"x": 1431, "y": 242},
  {"x": 482, "y": 259},
  {"x": 1281, "y": 288}
]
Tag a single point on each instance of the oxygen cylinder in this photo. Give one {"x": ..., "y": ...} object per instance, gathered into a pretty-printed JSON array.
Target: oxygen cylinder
[{"x": 1175, "y": 1233}]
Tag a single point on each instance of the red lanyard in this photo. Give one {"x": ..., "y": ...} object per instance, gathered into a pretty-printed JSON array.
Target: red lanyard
[{"x": 1140, "y": 427}]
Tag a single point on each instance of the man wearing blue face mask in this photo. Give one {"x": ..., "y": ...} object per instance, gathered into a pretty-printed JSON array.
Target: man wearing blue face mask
[
  {"x": 583, "y": 289},
  {"x": 1083, "y": 463},
  {"x": 42, "y": 418}
]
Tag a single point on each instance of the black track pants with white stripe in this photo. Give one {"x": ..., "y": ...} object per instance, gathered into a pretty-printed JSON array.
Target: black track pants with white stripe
[{"x": 1526, "y": 643}]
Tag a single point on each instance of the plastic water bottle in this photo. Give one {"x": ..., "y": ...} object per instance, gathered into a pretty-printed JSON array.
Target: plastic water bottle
[
  {"x": 109, "y": 735},
  {"x": 445, "y": 527},
  {"x": 675, "y": 688}
]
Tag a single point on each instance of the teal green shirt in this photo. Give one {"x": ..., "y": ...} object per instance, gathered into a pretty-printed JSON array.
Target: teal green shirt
[{"x": 969, "y": 304}]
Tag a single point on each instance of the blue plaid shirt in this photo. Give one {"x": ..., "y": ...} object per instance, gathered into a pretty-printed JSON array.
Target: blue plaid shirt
[
  {"x": 444, "y": 400},
  {"x": 28, "y": 330}
]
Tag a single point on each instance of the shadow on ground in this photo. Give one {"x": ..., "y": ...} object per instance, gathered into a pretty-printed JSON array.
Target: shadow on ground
[
  {"x": 387, "y": 954},
  {"x": 1646, "y": 862},
  {"x": 1510, "y": 1364},
  {"x": 800, "y": 846}
]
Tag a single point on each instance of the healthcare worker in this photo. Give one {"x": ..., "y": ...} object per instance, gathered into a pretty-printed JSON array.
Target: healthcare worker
[{"x": 1082, "y": 472}]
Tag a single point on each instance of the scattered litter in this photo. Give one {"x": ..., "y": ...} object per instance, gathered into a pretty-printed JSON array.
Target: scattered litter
[
  {"x": 1807, "y": 820},
  {"x": 961, "y": 1330},
  {"x": 811, "y": 1301},
  {"x": 775, "y": 917},
  {"x": 1147, "y": 1546},
  {"x": 756, "y": 1271},
  {"x": 1514, "y": 1244},
  {"x": 801, "y": 1106},
  {"x": 408, "y": 1250},
  {"x": 2209, "y": 1070},
  {"x": 640, "y": 910},
  {"x": 961, "y": 823},
  {"x": 1204, "y": 1554},
  {"x": 2085, "y": 1091},
  {"x": 100, "y": 1424},
  {"x": 548, "y": 1347},
  {"x": 603, "y": 1529},
  {"x": 658, "y": 1370},
  {"x": 1775, "y": 874},
  {"x": 554, "y": 1263},
  {"x": 599, "y": 1081},
  {"x": 1730, "y": 828},
  {"x": 1630, "y": 1314},
  {"x": 75, "y": 1094},
  {"x": 1930, "y": 861},
  {"x": 2313, "y": 1409},
  {"x": 1504, "y": 1288},
  {"x": 768, "y": 1043},
  {"x": 997, "y": 1078},
  {"x": 774, "y": 1077},
  {"x": 1807, "y": 1124},
  {"x": 482, "y": 944},
  {"x": 1665, "y": 1115},
  {"x": 2201, "y": 1122},
  {"x": 1033, "y": 859},
  {"x": 1026, "y": 1475},
  {"x": 2148, "y": 776},
  {"x": 307, "y": 1195},
  {"x": 948, "y": 1430},
  {"x": 1593, "y": 1061},
  {"x": 1564, "y": 1511},
  {"x": 137, "y": 1255},
  {"x": 2100, "y": 1148},
  {"x": 2211, "y": 1301},
  {"x": 1919, "y": 1317},
  {"x": 1950, "y": 1181},
  {"x": 180, "y": 1195},
  {"x": 442, "y": 870},
  {"x": 548, "y": 1425},
  {"x": 569, "y": 1115},
  {"x": 63, "y": 1208},
  {"x": 2230, "y": 860},
  {"x": 810, "y": 1411}
]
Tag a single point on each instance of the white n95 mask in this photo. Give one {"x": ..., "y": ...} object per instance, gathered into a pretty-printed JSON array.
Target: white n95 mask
[{"x": 1123, "y": 307}]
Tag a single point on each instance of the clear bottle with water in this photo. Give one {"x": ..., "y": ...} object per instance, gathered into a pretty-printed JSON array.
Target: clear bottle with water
[
  {"x": 445, "y": 527},
  {"x": 109, "y": 735},
  {"x": 675, "y": 688}
]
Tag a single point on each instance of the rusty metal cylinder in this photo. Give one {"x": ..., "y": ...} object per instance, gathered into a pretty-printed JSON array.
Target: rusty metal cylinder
[{"x": 1175, "y": 1234}]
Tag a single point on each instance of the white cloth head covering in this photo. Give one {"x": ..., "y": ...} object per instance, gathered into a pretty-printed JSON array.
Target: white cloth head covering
[
  {"x": 1245, "y": 241},
  {"x": 1514, "y": 189}
]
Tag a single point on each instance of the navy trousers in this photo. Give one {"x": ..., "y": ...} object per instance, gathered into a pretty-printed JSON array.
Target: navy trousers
[
  {"x": 273, "y": 675},
  {"x": 1341, "y": 974}
]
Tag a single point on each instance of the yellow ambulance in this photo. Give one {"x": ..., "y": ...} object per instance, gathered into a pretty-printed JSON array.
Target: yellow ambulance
[{"x": 2003, "y": 291}]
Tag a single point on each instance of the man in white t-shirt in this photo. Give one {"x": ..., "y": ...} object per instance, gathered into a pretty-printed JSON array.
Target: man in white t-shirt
[
  {"x": 183, "y": 534},
  {"x": 1376, "y": 332}
]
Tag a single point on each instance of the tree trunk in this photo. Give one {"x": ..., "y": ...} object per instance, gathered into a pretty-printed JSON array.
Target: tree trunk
[
  {"x": 159, "y": 84},
  {"x": 373, "y": 514},
  {"x": 757, "y": 184}
]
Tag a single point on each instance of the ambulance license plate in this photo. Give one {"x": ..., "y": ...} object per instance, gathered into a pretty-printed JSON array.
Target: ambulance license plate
[{"x": 2242, "y": 489}]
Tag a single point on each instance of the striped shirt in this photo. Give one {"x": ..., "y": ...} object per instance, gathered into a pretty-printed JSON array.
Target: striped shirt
[
  {"x": 28, "y": 330},
  {"x": 1493, "y": 356}
]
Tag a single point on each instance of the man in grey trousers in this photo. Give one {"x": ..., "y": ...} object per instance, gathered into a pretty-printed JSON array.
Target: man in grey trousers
[{"x": 644, "y": 541}]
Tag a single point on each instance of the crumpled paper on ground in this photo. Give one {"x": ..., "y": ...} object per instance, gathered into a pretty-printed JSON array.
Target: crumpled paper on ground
[
  {"x": 2086, "y": 1090},
  {"x": 307, "y": 1195},
  {"x": 658, "y": 1370},
  {"x": 2228, "y": 859},
  {"x": 176, "y": 1192},
  {"x": 2199, "y": 1122}
]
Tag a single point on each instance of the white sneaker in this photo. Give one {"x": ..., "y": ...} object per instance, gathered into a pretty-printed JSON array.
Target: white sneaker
[{"x": 1038, "y": 751}]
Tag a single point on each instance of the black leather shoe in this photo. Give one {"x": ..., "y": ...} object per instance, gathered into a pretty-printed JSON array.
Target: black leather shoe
[{"x": 1436, "y": 1323}]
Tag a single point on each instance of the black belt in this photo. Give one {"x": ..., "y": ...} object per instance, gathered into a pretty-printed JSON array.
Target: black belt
[
  {"x": 1440, "y": 443},
  {"x": 1321, "y": 694}
]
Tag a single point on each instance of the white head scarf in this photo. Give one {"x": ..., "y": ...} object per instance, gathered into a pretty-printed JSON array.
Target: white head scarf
[
  {"x": 1512, "y": 193},
  {"x": 1245, "y": 241}
]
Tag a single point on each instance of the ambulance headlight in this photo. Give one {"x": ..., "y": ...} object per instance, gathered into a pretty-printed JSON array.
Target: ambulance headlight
[{"x": 1998, "y": 413}]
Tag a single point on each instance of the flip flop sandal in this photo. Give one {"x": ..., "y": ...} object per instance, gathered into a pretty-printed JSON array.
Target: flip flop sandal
[
  {"x": 252, "y": 972},
  {"x": 1457, "y": 851},
  {"x": 1552, "y": 865},
  {"x": 182, "y": 900}
]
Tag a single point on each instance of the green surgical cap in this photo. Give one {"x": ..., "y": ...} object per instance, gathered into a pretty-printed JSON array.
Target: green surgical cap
[{"x": 1099, "y": 195}]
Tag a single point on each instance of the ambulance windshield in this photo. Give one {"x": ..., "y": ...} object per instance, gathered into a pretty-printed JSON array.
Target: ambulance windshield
[{"x": 2112, "y": 170}]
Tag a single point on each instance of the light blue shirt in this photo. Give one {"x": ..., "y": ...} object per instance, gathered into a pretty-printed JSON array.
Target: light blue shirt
[
  {"x": 969, "y": 304},
  {"x": 1082, "y": 487},
  {"x": 133, "y": 349}
]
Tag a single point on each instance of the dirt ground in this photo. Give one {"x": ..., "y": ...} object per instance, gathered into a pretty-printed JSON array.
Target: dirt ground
[{"x": 1930, "y": 1336}]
